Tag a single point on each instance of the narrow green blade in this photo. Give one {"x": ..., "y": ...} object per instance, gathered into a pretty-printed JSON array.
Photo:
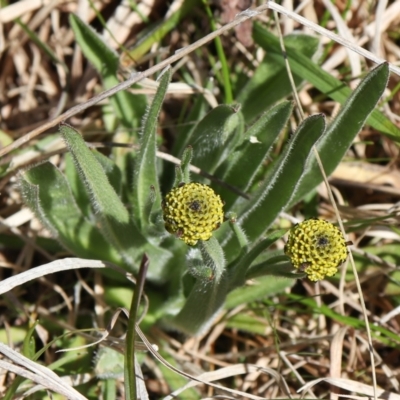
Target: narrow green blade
[
  {"x": 129, "y": 108},
  {"x": 146, "y": 178},
  {"x": 257, "y": 214},
  {"x": 270, "y": 82},
  {"x": 210, "y": 140},
  {"x": 341, "y": 132},
  {"x": 322, "y": 80},
  {"x": 249, "y": 157}
]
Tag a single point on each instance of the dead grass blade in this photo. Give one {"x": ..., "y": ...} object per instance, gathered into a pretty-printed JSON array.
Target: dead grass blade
[
  {"x": 55, "y": 266},
  {"x": 226, "y": 372},
  {"x": 206, "y": 377},
  {"x": 37, "y": 373},
  {"x": 353, "y": 386},
  {"x": 134, "y": 78}
]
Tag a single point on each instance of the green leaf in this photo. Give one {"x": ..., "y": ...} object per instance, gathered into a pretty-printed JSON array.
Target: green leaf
[
  {"x": 341, "y": 132},
  {"x": 112, "y": 217},
  {"x": 281, "y": 267},
  {"x": 248, "y": 323},
  {"x": 322, "y": 80},
  {"x": 213, "y": 257},
  {"x": 185, "y": 129},
  {"x": 209, "y": 293},
  {"x": 29, "y": 345},
  {"x": 202, "y": 305},
  {"x": 146, "y": 177},
  {"x": 276, "y": 191},
  {"x": 261, "y": 288},
  {"x": 210, "y": 136},
  {"x": 251, "y": 154},
  {"x": 78, "y": 188},
  {"x": 270, "y": 82},
  {"x": 129, "y": 108},
  {"x": 238, "y": 274},
  {"x": 185, "y": 164},
  {"x": 46, "y": 191},
  {"x": 158, "y": 33}
]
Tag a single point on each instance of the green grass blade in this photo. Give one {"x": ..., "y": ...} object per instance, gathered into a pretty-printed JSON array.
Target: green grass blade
[
  {"x": 146, "y": 166},
  {"x": 322, "y": 80},
  {"x": 129, "y": 108},
  {"x": 42, "y": 45},
  {"x": 341, "y": 132},
  {"x": 158, "y": 33},
  {"x": 226, "y": 75}
]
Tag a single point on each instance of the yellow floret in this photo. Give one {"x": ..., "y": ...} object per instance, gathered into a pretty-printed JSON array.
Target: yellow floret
[
  {"x": 316, "y": 247},
  {"x": 192, "y": 212}
]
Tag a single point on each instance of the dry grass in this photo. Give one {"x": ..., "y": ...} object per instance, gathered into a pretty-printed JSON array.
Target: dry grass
[{"x": 322, "y": 337}]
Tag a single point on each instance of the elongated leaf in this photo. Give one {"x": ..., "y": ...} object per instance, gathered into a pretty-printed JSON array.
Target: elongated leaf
[
  {"x": 249, "y": 157},
  {"x": 275, "y": 193},
  {"x": 156, "y": 34},
  {"x": 202, "y": 305},
  {"x": 196, "y": 112},
  {"x": 341, "y": 132},
  {"x": 111, "y": 170},
  {"x": 266, "y": 286},
  {"x": 273, "y": 196},
  {"x": 129, "y": 108},
  {"x": 113, "y": 218},
  {"x": 238, "y": 272},
  {"x": 185, "y": 128},
  {"x": 270, "y": 82},
  {"x": 146, "y": 176},
  {"x": 46, "y": 191},
  {"x": 322, "y": 80},
  {"x": 209, "y": 290},
  {"x": 211, "y": 137}
]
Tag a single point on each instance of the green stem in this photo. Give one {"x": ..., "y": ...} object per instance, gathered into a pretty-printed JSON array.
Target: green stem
[
  {"x": 222, "y": 58},
  {"x": 129, "y": 367},
  {"x": 207, "y": 295}
]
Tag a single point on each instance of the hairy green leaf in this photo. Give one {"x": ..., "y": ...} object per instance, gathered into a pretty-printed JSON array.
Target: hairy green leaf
[
  {"x": 239, "y": 271},
  {"x": 273, "y": 196},
  {"x": 270, "y": 82},
  {"x": 210, "y": 140},
  {"x": 246, "y": 161},
  {"x": 145, "y": 183},
  {"x": 322, "y": 80},
  {"x": 46, "y": 191},
  {"x": 129, "y": 108},
  {"x": 342, "y": 130},
  {"x": 112, "y": 217}
]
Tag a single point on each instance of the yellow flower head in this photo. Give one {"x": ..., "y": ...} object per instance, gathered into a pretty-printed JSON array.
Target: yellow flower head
[
  {"x": 192, "y": 212},
  {"x": 316, "y": 247}
]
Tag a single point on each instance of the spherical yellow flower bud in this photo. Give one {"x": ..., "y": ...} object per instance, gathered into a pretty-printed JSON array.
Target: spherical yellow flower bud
[
  {"x": 192, "y": 212},
  {"x": 316, "y": 247}
]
